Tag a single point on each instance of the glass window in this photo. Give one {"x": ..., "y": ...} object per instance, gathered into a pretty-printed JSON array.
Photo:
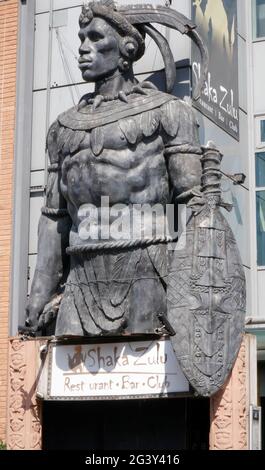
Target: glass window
[
  {"x": 260, "y": 169},
  {"x": 260, "y": 197},
  {"x": 262, "y": 130},
  {"x": 260, "y": 18}
]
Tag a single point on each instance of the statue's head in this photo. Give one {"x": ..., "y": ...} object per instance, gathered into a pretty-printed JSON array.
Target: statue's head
[
  {"x": 108, "y": 41},
  {"x": 113, "y": 37}
]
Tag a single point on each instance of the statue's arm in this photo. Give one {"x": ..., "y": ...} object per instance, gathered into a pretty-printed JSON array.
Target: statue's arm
[
  {"x": 53, "y": 234},
  {"x": 183, "y": 152},
  {"x": 184, "y": 171}
]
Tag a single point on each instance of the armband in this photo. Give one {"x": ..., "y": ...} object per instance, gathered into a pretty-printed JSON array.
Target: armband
[
  {"x": 185, "y": 148},
  {"x": 53, "y": 168},
  {"x": 49, "y": 212}
]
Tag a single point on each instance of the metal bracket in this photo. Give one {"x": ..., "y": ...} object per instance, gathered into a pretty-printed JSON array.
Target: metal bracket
[
  {"x": 237, "y": 178},
  {"x": 255, "y": 427}
]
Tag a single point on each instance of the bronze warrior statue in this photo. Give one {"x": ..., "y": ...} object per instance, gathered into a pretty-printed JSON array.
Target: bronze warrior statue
[{"x": 129, "y": 144}]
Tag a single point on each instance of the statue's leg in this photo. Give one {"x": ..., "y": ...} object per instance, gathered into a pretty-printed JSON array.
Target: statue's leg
[
  {"x": 92, "y": 304},
  {"x": 147, "y": 298},
  {"x": 68, "y": 321}
]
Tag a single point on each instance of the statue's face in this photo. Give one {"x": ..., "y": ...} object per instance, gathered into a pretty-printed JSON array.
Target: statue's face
[{"x": 99, "y": 50}]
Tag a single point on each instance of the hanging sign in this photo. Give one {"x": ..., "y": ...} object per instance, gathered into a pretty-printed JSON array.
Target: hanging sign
[
  {"x": 111, "y": 370},
  {"x": 216, "y": 22}
]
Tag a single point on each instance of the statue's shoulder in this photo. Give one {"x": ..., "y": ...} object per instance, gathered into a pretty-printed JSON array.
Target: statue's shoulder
[
  {"x": 176, "y": 107},
  {"x": 149, "y": 108},
  {"x": 66, "y": 117},
  {"x": 176, "y": 114},
  {"x": 52, "y": 141},
  {"x": 180, "y": 123},
  {"x": 146, "y": 102},
  {"x": 93, "y": 112},
  {"x": 60, "y": 137}
]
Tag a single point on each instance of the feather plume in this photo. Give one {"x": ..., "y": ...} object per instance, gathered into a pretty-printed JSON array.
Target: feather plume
[
  {"x": 97, "y": 140},
  {"x": 129, "y": 129}
]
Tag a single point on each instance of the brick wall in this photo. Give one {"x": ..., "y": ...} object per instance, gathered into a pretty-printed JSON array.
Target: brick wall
[{"x": 8, "y": 50}]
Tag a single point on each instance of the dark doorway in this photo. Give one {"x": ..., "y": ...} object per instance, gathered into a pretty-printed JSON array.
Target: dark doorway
[{"x": 181, "y": 423}]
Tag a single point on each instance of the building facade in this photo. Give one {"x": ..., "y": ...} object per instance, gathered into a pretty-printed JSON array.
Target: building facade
[
  {"x": 39, "y": 79},
  {"x": 8, "y": 65}
]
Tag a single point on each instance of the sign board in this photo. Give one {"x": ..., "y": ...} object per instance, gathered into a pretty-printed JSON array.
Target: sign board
[
  {"x": 216, "y": 22},
  {"x": 111, "y": 370}
]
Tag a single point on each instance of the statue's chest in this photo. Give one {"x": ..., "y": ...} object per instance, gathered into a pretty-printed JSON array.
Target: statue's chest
[
  {"x": 122, "y": 134},
  {"x": 96, "y": 141}
]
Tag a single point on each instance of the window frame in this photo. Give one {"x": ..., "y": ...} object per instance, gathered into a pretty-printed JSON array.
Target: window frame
[
  {"x": 254, "y": 23},
  {"x": 259, "y": 144},
  {"x": 258, "y": 190},
  {"x": 259, "y": 148}
]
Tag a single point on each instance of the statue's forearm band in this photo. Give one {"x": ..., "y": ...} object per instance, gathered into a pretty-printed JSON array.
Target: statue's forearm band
[
  {"x": 49, "y": 212},
  {"x": 53, "y": 168},
  {"x": 185, "y": 148}
]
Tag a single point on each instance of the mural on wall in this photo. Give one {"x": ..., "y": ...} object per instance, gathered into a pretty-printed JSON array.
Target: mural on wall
[{"x": 217, "y": 24}]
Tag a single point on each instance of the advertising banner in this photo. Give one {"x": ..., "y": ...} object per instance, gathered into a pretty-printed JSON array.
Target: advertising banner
[{"x": 217, "y": 24}]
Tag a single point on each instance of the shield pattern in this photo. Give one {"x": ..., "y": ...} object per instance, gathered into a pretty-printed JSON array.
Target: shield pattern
[{"x": 206, "y": 300}]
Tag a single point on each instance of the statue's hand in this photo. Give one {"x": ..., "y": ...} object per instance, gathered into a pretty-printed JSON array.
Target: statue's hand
[
  {"x": 31, "y": 326},
  {"x": 34, "y": 310},
  {"x": 194, "y": 198},
  {"x": 50, "y": 311},
  {"x": 197, "y": 199},
  {"x": 39, "y": 316}
]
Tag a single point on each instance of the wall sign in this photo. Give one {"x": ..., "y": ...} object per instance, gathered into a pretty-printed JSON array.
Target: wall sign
[
  {"x": 111, "y": 370},
  {"x": 217, "y": 24}
]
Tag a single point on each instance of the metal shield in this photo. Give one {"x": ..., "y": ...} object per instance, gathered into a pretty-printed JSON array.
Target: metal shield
[{"x": 206, "y": 300}]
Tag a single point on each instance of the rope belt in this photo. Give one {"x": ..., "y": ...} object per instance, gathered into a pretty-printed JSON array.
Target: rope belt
[{"x": 118, "y": 245}]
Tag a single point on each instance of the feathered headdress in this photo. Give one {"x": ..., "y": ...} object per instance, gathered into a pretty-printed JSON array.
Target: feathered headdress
[{"x": 133, "y": 21}]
